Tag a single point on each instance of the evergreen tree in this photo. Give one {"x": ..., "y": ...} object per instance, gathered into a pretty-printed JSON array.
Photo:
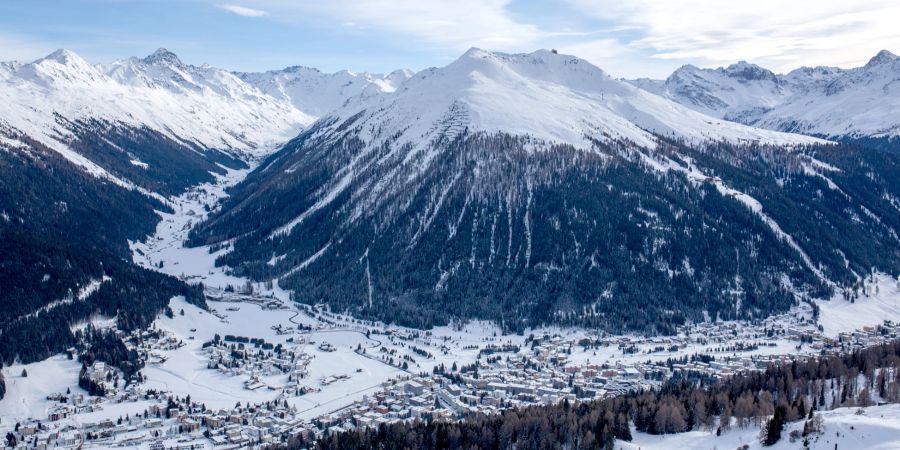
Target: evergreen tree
[{"x": 775, "y": 426}]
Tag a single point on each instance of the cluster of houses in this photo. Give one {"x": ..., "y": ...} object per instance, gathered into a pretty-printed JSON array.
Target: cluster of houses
[
  {"x": 257, "y": 360},
  {"x": 544, "y": 369}
]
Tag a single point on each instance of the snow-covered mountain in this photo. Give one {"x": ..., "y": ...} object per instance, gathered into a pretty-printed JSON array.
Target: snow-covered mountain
[
  {"x": 823, "y": 101},
  {"x": 534, "y": 188},
  {"x": 317, "y": 93},
  {"x": 89, "y": 156},
  {"x": 63, "y": 102},
  {"x": 551, "y": 97},
  {"x": 202, "y": 106}
]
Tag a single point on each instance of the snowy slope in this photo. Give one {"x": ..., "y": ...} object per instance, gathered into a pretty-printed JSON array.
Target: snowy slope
[
  {"x": 315, "y": 92},
  {"x": 863, "y": 101},
  {"x": 725, "y": 92},
  {"x": 551, "y": 97},
  {"x": 826, "y": 101},
  {"x": 201, "y": 106},
  {"x": 876, "y": 427}
]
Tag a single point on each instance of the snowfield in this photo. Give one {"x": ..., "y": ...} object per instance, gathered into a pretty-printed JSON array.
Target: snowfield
[
  {"x": 879, "y": 300},
  {"x": 554, "y": 99},
  {"x": 27, "y": 396},
  {"x": 877, "y": 428},
  {"x": 246, "y": 114}
]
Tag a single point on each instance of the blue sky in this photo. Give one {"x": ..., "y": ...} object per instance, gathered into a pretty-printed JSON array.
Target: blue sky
[{"x": 628, "y": 38}]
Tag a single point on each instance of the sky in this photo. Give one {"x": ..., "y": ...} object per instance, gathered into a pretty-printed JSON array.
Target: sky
[{"x": 627, "y": 38}]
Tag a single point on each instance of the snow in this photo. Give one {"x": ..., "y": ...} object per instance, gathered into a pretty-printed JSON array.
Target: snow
[
  {"x": 317, "y": 93},
  {"x": 184, "y": 371},
  {"x": 877, "y": 428},
  {"x": 330, "y": 194},
  {"x": 195, "y": 264},
  {"x": 83, "y": 292},
  {"x": 545, "y": 98},
  {"x": 878, "y": 301},
  {"x": 308, "y": 261},
  {"x": 662, "y": 164},
  {"x": 198, "y": 105},
  {"x": 825, "y": 101},
  {"x": 551, "y": 97},
  {"x": 27, "y": 397}
]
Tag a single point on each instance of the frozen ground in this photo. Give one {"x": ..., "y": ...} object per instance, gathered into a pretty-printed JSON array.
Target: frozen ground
[
  {"x": 27, "y": 396},
  {"x": 879, "y": 300},
  {"x": 185, "y": 371},
  {"x": 877, "y": 428},
  {"x": 165, "y": 246}
]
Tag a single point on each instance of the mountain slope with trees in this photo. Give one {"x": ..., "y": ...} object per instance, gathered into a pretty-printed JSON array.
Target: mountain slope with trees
[{"x": 431, "y": 204}]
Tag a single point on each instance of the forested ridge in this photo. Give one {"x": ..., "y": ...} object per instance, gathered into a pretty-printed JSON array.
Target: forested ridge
[
  {"x": 61, "y": 230},
  {"x": 492, "y": 230},
  {"x": 781, "y": 393}
]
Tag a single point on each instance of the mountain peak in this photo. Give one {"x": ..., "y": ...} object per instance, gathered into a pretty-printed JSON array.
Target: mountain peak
[
  {"x": 63, "y": 56},
  {"x": 686, "y": 70},
  {"x": 475, "y": 52},
  {"x": 162, "y": 55},
  {"x": 61, "y": 65},
  {"x": 882, "y": 57},
  {"x": 550, "y": 97},
  {"x": 747, "y": 71}
]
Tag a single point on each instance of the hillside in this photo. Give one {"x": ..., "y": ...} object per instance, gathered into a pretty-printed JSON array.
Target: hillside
[{"x": 534, "y": 188}]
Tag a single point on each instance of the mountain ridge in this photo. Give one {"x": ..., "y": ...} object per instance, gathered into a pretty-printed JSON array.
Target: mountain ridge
[
  {"x": 823, "y": 101},
  {"x": 532, "y": 189}
]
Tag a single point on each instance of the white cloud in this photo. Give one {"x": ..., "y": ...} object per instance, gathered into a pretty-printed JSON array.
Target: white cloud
[
  {"x": 628, "y": 38},
  {"x": 779, "y": 34},
  {"x": 244, "y": 11},
  {"x": 447, "y": 25}
]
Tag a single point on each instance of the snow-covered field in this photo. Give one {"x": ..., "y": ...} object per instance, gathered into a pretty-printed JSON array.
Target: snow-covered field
[
  {"x": 878, "y": 301},
  {"x": 27, "y": 396},
  {"x": 165, "y": 246},
  {"x": 877, "y": 428}
]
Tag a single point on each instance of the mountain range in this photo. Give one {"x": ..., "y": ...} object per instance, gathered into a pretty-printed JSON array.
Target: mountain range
[
  {"x": 861, "y": 102},
  {"x": 522, "y": 188},
  {"x": 90, "y": 153},
  {"x": 534, "y": 188}
]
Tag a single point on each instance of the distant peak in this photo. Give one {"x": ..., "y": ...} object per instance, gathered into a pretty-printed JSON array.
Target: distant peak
[
  {"x": 742, "y": 65},
  {"x": 748, "y": 71},
  {"x": 163, "y": 55},
  {"x": 298, "y": 68},
  {"x": 63, "y": 56},
  {"x": 687, "y": 68},
  {"x": 476, "y": 52},
  {"x": 687, "y": 71},
  {"x": 882, "y": 57},
  {"x": 541, "y": 55}
]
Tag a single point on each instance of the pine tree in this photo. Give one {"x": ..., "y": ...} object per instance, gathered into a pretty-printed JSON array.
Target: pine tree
[{"x": 775, "y": 426}]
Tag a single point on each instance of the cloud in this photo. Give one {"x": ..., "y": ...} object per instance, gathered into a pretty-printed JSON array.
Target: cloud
[
  {"x": 446, "y": 25},
  {"x": 243, "y": 10},
  {"x": 781, "y": 34}
]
